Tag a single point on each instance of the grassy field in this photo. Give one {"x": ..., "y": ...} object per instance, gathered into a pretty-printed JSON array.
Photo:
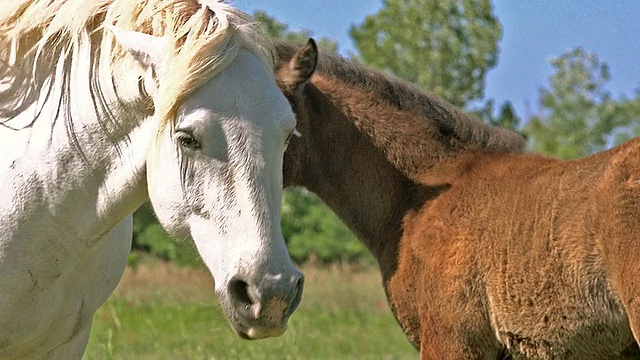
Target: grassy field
[{"x": 162, "y": 312}]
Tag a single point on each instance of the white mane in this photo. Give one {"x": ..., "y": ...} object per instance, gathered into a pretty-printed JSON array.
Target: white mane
[{"x": 35, "y": 35}]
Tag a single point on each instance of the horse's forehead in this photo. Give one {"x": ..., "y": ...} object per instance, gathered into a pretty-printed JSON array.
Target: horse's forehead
[{"x": 246, "y": 88}]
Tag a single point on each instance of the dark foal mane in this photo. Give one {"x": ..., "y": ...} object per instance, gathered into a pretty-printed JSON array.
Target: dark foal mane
[{"x": 443, "y": 117}]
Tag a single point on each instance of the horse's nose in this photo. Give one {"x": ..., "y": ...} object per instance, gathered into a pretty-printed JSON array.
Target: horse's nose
[{"x": 266, "y": 302}]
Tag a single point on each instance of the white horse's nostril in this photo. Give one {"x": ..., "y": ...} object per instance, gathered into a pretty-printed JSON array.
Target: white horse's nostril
[
  {"x": 297, "y": 297},
  {"x": 239, "y": 294},
  {"x": 272, "y": 300}
]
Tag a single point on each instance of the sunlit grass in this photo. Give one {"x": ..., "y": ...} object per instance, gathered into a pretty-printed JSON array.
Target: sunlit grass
[{"x": 162, "y": 312}]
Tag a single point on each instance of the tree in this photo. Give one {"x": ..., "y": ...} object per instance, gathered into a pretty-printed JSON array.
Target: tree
[
  {"x": 506, "y": 117},
  {"x": 150, "y": 237},
  {"x": 281, "y": 31},
  {"x": 629, "y": 109},
  {"x": 311, "y": 229},
  {"x": 443, "y": 46},
  {"x": 578, "y": 115}
]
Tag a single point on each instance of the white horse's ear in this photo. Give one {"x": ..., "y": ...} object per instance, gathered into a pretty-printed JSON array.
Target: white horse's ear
[{"x": 149, "y": 50}]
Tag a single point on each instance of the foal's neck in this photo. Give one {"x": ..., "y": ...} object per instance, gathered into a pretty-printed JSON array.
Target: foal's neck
[
  {"x": 354, "y": 174},
  {"x": 375, "y": 161}
]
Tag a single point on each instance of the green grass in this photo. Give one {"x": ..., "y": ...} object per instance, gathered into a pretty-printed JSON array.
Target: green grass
[{"x": 163, "y": 312}]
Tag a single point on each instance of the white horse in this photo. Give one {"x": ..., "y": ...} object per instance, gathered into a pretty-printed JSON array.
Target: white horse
[{"x": 106, "y": 104}]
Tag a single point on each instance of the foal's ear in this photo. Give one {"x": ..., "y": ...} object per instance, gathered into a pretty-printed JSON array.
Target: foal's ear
[
  {"x": 299, "y": 69},
  {"x": 147, "y": 49}
]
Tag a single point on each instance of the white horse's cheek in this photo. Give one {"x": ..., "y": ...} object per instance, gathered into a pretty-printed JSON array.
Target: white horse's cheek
[{"x": 210, "y": 246}]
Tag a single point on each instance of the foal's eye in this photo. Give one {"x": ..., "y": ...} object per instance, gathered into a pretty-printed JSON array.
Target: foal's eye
[{"x": 187, "y": 140}]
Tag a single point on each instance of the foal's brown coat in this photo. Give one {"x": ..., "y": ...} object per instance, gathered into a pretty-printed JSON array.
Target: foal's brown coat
[{"x": 485, "y": 251}]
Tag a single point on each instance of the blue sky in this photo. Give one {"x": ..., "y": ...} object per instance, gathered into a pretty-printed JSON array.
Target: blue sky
[{"x": 533, "y": 31}]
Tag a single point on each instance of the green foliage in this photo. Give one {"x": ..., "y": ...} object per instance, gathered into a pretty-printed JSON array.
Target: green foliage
[
  {"x": 445, "y": 46},
  {"x": 505, "y": 118},
  {"x": 630, "y": 109},
  {"x": 281, "y": 31},
  {"x": 312, "y": 230},
  {"x": 150, "y": 237},
  {"x": 578, "y": 115}
]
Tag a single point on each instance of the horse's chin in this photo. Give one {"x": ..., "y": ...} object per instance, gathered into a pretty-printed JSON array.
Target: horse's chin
[{"x": 255, "y": 333}]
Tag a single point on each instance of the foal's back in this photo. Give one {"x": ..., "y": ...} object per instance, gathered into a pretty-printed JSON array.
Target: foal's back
[{"x": 540, "y": 252}]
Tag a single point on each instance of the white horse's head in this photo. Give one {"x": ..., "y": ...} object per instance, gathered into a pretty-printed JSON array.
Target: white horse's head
[{"x": 214, "y": 175}]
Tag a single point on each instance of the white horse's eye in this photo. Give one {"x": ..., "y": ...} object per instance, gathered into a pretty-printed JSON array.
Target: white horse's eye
[{"x": 187, "y": 140}]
